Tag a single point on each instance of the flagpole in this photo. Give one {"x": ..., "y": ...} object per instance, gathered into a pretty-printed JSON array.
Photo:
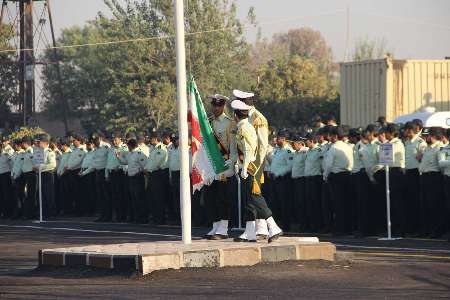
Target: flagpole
[{"x": 185, "y": 191}]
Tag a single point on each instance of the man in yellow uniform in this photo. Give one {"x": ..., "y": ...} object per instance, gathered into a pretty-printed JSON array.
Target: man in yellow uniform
[
  {"x": 255, "y": 204},
  {"x": 259, "y": 122},
  {"x": 217, "y": 195}
]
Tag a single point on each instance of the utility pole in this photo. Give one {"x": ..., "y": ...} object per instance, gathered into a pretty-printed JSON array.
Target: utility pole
[
  {"x": 347, "y": 35},
  {"x": 26, "y": 61},
  {"x": 185, "y": 185},
  {"x": 26, "y": 88}
]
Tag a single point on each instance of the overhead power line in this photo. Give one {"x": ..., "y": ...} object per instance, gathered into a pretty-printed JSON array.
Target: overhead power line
[{"x": 144, "y": 39}]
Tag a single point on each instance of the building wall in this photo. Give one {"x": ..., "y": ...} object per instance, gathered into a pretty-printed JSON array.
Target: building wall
[{"x": 392, "y": 88}]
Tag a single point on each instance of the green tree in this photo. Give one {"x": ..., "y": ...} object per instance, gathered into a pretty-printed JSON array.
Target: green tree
[
  {"x": 292, "y": 77},
  {"x": 295, "y": 77},
  {"x": 8, "y": 70},
  {"x": 133, "y": 84}
]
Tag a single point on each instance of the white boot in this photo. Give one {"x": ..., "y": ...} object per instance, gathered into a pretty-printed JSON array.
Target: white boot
[
  {"x": 261, "y": 229},
  {"x": 213, "y": 230},
  {"x": 222, "y": 231},
  {"x": 249, "y": 234},
  {"x": 274, "y": 231}
]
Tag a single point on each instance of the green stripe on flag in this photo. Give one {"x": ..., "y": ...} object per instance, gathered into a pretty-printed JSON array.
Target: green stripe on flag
[{"x": 209, "y": 141}]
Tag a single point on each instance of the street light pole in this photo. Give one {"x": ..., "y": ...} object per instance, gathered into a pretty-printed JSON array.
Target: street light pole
[{"x": 185, "y": 190}]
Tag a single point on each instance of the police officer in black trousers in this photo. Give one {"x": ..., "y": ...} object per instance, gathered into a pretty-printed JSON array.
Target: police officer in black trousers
[
  {"x": 337, "y": 166},
  {"x": 432, "y": 189},
  {"x": 29, "y": 179},
  {"x": 47, "y": 177},
  {"x": 397, "y": 180}
]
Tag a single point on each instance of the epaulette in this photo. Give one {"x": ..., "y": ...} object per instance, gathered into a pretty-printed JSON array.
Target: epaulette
[{"x": 260, "y": 121}]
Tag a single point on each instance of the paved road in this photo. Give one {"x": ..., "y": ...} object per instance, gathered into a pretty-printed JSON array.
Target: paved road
[{"x": 366, "y": 268}]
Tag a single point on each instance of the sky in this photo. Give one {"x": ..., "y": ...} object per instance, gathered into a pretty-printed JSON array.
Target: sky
[{"x": 412, "y": 28}]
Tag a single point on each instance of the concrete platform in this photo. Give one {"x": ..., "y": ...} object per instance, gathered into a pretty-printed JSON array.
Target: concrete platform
[{"x": 148, "y": 257}]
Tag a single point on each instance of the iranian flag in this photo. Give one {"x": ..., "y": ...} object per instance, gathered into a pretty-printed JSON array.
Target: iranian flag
[{"x": 207, "y": 161}]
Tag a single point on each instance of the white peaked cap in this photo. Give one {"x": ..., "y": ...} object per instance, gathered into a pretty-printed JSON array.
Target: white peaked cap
[
  {"x": 219, "y": 97},
  {"x": 239, "y": 105},
  {"x": 242, "y": 95}
]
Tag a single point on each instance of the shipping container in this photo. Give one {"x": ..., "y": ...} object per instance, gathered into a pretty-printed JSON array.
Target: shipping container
[{"x": 391, "y": 88}]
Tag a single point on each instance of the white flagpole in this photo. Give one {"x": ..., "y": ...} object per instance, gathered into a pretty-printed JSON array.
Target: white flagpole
[
  {"x": 388, "y": 204},
  {"x": 185, "y": 191}
]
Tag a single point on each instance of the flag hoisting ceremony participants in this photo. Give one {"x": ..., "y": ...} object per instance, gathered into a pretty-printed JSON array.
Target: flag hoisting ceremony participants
[
  {"x": 259, "y": 122},
  {"x": 255, "y": 204},
  {"x": 217, "y": 194}
]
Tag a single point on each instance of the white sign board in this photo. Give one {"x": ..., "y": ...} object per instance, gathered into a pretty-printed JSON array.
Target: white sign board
[
  {"x": 38, "y": 156},
  {"x": 386, "y": 154}
]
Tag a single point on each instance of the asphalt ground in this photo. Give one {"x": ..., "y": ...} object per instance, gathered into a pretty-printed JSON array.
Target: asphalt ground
[{"x": 364, "y": 269}]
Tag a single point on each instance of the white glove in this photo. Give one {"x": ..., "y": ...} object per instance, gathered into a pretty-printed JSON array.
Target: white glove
[
  {"x": 244, "y": 174},
  {"x": 228, "y": 163},
  {"x": 228, "y": 173}
]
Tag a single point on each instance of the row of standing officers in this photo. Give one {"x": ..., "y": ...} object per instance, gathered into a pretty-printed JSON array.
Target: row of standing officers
[
  {"x": 83, "y": 177},
  {"x": 332, "y": 181},
  {"x": 326, "y": 181}
]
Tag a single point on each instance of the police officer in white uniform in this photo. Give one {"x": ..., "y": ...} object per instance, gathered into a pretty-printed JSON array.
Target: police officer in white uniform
[
  {"x": 281, "y": 168},
  {"x": 217, "y": 194},
  {"x": 299, "y": 181},
  {"x": 432, "y": 189},
  {"x": 6, "y": 160},
  {"x": 414, "y": 148},
  {"x": 338, "y": 165},
  {"x": 155, "y": 167},
  {"x": 444, "y": 164},
  {"x": 136, "y": 160}
]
